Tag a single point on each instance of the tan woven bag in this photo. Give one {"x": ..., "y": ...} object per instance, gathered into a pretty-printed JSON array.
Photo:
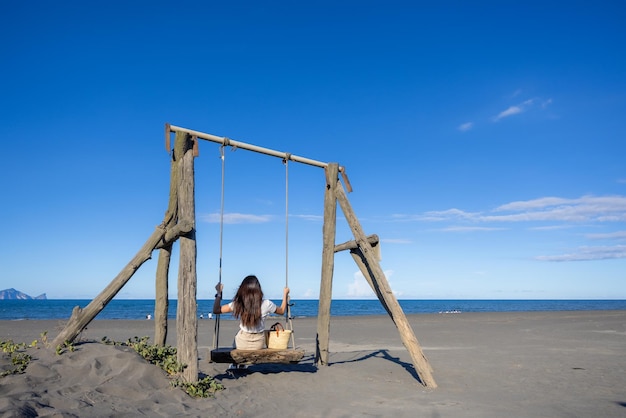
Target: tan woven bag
[{"x": 277, "y": 337}]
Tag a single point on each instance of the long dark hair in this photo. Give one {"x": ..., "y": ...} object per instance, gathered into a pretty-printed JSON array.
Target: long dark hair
[{"x": 247, "y": 302}]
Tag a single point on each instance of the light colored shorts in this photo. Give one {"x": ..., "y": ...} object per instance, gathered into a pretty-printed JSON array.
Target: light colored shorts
[{"x": 249, "y": 341}]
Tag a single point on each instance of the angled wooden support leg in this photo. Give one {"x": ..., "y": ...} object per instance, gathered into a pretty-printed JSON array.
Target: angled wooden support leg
[{"x": 383, "y": 290}]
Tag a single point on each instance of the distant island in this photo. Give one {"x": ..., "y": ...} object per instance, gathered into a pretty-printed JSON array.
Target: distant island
[{"x": 13, "y": 294}]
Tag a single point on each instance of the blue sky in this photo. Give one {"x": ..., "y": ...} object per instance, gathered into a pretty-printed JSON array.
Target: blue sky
[{"x": 485, "y": 142}]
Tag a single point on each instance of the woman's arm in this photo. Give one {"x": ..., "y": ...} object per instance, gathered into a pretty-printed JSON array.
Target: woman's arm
[
  {"x": 283, "y": 306},
  {"x": 218, "y": 308}
]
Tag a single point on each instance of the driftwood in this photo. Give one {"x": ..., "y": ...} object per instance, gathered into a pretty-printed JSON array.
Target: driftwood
[{"x": 266, "y": 355}]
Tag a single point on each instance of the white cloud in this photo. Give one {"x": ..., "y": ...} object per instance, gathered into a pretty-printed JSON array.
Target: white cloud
[
  {"x": 236, "y": 218},
  {"x": 589, "y": 254},
  {"x": 564, "y": 212},
  {"x": 549, "y": 227},
  {"x": 397, "y": 241},
  {"x": 513, "y": 110},
  {"x": 444, "y": 215},
  {"x": 470, "y": 229},
  {"x": 583, "y": 209},
  {"x": 522, "y": 107},
  {"x": 359, "y": 287},
  {"x": 617, "y": 235},
  {"x": 309, "y": 217},
  {"x": 466, "y": 126}
]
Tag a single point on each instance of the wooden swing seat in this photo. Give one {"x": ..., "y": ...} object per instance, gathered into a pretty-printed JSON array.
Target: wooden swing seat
[{"x": 266, "y": 355}]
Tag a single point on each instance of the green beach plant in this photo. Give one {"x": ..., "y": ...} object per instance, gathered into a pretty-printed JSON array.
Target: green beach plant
[
  {"x": 165, "y": 358},
  {"x": 66, "y": 346},
  {"x": 161, "y": 356},
  {"x": 19, "y": 360},
  {"x": 203, "y": 388}
]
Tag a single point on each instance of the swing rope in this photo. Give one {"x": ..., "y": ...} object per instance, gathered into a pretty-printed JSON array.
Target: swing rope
[
  {"x": 289, "y": 304},
  {"x": 288, "y": 318},
  {"x": 216, "y": 331}
]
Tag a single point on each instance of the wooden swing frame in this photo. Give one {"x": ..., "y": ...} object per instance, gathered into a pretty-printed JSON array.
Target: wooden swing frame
[{"x": 179, "y": 224}]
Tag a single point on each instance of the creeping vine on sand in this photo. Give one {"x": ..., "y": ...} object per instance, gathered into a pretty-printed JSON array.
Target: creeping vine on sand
[
  {"x": 19, "y": 359},
  {"x": 165, "y": 358}
]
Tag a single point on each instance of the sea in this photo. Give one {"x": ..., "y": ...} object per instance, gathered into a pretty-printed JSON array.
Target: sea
[{"x": 140, "y": 308}]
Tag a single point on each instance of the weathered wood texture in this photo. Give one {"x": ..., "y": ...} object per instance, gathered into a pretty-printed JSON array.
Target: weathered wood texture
[
  {"x": 161, "y": 305},
  {"x": 161, "y": 301},
  {"x": 266, "y": 355},
  {"x": 350, "y": 245},
  {"x": 328, "y": 265},
  {"x": 186, "y": 315},
  {"x": 384, "y": 292}
]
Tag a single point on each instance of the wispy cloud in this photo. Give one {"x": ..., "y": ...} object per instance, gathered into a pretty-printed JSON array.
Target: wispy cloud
[
  {"x": 466, "y": 126},
  {"x": 563, "y": 212},
  {"x": 359, "y": 288},
  {"x": 588, "y": 254},
  {"x": 549, "y": 227},
  {"x": 444, "y": 215},
  {"x": 522, "y": 107},
  {"x": 236, "y": 218},
  {"x": 537, "y": 103},
  {"x": 583, "y": 209},
  {"x": 308, "y": 217},
  {"x": 514, "y": 110},
  {"x": 470, "y": 229},
  {"x": 396, "y": 241},
  {"x": 617, "y": 235}
]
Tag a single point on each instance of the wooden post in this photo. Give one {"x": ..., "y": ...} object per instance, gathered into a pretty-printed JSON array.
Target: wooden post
[
  {"x": 186, "y": 315},
  {"x": 422, "y": 367},
  {"x": 161, "y": 305},
  {"x": 161, "y": 302},
  {"x": 328, "y": 265}
]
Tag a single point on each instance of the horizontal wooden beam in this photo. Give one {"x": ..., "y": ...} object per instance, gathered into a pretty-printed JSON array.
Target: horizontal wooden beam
[
  {"x": 351, "y": 245},
  {"x": 237, "y": 144}
]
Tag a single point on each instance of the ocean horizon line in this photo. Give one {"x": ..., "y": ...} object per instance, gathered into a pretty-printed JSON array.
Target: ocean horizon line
[
  {"x": 303, "y": 308},
  {"x": 364, "y": 299}
]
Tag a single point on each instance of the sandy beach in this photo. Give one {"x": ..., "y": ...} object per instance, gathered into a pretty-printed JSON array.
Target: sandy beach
[{"x": 521, "y": 364}]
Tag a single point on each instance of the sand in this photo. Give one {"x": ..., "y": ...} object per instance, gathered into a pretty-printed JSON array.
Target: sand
[{"x": 538, "y": 364}]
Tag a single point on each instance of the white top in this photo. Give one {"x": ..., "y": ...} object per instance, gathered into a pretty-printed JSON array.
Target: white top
[{"x": 267, "y": 307}]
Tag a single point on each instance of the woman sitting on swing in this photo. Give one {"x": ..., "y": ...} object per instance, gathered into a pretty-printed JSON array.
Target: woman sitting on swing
[{"x": 251, "y": 309}]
